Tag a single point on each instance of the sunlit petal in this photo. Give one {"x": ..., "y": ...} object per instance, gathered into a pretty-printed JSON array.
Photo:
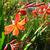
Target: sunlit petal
[
  {"x": 6, "y": 47},
  {"x": 23, "y": 21},
  {"x": 21, "y": 27},
  {"x": 15, "y": 32},
  {"x": 8, "y": 29},
  {"x": 12, "y": 47},
  {"x": 17, "y": 17}
]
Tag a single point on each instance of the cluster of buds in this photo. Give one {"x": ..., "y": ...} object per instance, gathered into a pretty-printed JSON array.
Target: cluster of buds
[
  {"x": 13, "y": 45},
  {"x": 43, "y": 9},
  {"x": 27, "y": 5}
]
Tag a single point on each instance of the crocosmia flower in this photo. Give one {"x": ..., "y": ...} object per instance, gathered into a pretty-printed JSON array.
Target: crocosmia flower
[
  {"x": 22, "y": 12},
  {"x": 15, "y": 26},
  {"x": 42, "y": 9},
  {"x": 13, "y": 44},
  {"x": 34, "y": 13},
  {"x": 48, "y": 11}
]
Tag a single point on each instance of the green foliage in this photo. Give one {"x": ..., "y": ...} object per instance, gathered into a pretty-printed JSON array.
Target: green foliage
[
  {"x": 35, "y": 27},
  {"x": 2, "y": 40}
]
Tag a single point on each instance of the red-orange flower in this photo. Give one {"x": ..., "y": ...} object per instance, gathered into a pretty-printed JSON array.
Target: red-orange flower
[
  {"x": 34, "y": 13},
  {"x": 15, "y": 26},
  {"x": 13, "y": 44},
  {"x": 42, "y": 9},
  {"x": 39, "y": 4},
  {"x": 23, "y": 11},
  {"x": 48, "y": 11}
]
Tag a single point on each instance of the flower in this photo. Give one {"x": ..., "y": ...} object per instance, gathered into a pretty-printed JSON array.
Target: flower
[
  {"x": 48, "y": 11},
  {"x": 13, "y": 44},
  {"x": 6, "y": 47},
  {"x": 15, "y": 26},
  {"x": 34, "y": 13},
  {"x": 23, "y": 11},
  {"x": 42, "y": 9}
]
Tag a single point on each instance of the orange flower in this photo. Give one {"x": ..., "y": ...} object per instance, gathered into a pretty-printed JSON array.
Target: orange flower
[{"x": 15, "y": 26}]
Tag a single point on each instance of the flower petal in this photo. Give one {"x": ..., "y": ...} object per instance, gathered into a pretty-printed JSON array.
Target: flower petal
[
  {"x": 43, "y": 7},
  {"x": 22, "y": 11},
  {"x": 23, "y": 21},
  {"x": 6, "y": 47},
  {"x": 34, "y": 13},
  {"x": 8, "y": 29},
  {"x": 48, "y": 11},
  {"x": 13, "y": 41},
  {"x": 15, "y": 32},
  {"x": 21, "y": 27},
  {"x": 12, "y": 47},
  {"x": 17, "y": 17},
  {"x": 40, "y": 11}
]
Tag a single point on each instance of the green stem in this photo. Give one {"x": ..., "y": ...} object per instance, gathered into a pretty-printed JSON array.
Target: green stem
[
  {"x": 27, "y": 34},
  {"x": 38, "y": 30},
  {"x": 33, "y": 39},
  {"x": 26, "y": 47}
]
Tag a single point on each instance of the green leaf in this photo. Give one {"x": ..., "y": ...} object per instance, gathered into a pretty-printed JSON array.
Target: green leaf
[
  {"x": 2, "y": 40},
  {"x": 33, "y": 39},
  {"x": 27, "y": 33}
]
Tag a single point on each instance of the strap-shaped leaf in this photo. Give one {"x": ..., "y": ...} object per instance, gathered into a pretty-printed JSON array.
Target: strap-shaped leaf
[
  {"x": 27, "y": 33},
  {"x": 33, "y": 39},
  {"x": 2, "y": 40}
]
